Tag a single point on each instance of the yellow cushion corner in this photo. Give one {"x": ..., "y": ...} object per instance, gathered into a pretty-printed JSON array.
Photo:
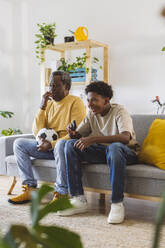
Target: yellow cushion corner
[{"x": 153, "y": 147}]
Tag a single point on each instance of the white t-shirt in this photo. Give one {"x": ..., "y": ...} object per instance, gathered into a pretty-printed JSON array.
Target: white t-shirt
[{"x": 116, "y": 121}]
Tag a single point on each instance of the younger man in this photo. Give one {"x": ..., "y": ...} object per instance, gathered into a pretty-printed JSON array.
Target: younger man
[{"x": 106, "y": 135}]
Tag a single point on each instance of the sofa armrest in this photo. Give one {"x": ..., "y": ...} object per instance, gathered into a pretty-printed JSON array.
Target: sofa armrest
[{"x": 6, "y": 148}]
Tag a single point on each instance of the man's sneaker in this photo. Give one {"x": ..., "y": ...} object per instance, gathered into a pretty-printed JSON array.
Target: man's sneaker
[
  {"x": 23, "y": 197},
  {"x": 58, "y": 196},
  {"x": 79, "y": 204},
  {"x": 117, "y": 213}
]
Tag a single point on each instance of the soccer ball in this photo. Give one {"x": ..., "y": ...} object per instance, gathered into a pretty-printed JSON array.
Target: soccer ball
[{"x": 46, "y": 133}]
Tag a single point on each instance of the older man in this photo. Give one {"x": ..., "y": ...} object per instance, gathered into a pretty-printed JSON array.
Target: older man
[{"x": 57, "y": 110}]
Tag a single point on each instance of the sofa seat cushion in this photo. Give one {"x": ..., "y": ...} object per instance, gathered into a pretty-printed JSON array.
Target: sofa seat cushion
[
  {"x": 36, "y": 162},
  {"x": 137, "y": 170}
]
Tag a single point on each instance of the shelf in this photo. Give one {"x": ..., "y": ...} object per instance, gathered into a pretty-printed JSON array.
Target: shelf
[
  {"x": 87, "y": 45},
  {"x": 76, "y": 45}
]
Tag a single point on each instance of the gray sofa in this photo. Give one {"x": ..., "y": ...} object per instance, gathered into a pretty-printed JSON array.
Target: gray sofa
[{"x": 141, "y": 179}]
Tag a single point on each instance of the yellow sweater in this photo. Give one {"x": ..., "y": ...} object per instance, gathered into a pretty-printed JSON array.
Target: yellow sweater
[{"x": 58, "y": 115}]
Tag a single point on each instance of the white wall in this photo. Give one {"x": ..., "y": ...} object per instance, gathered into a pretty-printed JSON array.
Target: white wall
[{"x": 134, "y": 30}]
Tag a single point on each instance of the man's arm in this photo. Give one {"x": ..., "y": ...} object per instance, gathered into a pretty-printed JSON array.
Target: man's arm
[{"x": 40, "y": 119}]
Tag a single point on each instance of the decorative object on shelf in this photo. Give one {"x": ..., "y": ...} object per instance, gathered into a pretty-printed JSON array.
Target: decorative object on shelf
[
  {"x": 44, "y": 38},
  {"x": 68, "y": 38},
  {"x": 78, "y": 69},
  {"x": 160, "y": 106},
  {"x": 9, "y": 131},
  {"x": 80, "y": 34},
  {"x": 48, "y": 72}
]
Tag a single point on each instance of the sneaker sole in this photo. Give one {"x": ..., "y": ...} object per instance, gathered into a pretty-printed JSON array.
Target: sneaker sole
[
  {"x": 21, "y": 202},
  {"x": 75, "y": 211},
  {"x": 115, "y": 221}
]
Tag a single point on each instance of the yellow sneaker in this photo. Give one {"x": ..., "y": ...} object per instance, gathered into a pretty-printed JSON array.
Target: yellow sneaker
[
  {"x": 58, "y": 196},
  {"x": 23, "y": 197}
]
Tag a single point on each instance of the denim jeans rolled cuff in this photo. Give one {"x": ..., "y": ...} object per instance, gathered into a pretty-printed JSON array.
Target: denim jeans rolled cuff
[
  {"x": 31, "y": 185},
  {"x": 116, "y": 201},
  {"x": 60, "y": 189}
]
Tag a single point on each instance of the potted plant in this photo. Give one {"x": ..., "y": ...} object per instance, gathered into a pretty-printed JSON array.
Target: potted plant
[
  {"x": 9, "y": 131},
  {"x": 78, "y": 69},
  {"x": 45, "y": 37}
]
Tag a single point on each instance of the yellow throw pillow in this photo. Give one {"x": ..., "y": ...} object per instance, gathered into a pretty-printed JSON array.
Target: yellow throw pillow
[{"x": 153, "y": 148}]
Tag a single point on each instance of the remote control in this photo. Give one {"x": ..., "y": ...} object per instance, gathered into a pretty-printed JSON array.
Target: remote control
[{"x": 74, "y": 126}]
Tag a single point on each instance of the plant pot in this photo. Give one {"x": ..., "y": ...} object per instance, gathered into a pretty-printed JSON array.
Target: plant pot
[
  {"x": 49, "y": 40},
  {"x": 79, "y": 75}
]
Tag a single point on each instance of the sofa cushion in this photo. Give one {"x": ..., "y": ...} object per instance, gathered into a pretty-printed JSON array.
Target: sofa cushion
[
  {"x": 137, "y": 170},
  {"x": 153, "y": 148},
  {"x": 37, "y": 162}
]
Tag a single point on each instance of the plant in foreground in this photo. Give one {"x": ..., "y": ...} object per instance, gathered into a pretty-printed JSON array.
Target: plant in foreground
[{"x": 38, "y": 235}]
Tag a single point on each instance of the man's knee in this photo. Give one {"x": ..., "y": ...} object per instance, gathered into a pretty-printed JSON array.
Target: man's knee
[
  {"x": 115, "y": 148},
  {"x": 70, "y": 144},
  {"x": 19, "y": 143},
  {"x": 60, "y": 144},
  {"x": 115, "y": 154}
]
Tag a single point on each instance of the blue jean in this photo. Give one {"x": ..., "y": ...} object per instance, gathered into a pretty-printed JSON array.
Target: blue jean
[
  {"x": 26, "y": 149},
  {"x": 116, "y": 155}
]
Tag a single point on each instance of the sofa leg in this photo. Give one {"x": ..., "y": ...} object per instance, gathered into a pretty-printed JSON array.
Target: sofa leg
[
  {"x": 12, "y": 186},
  {"x": 102, "y": 199}
]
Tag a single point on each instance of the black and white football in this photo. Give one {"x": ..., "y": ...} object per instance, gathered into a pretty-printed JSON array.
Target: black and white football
[{"x": 48, "y": 134}]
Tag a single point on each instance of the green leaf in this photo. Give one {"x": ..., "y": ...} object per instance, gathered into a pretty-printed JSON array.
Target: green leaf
[
  {"x": 10, "y": 131},
  {"x": 45, "y": 236},
  {"x": 3, "y": 244},
  {"x": 159, "y": 221},
  {"x": 38, "y": 213},
  {"x": 6, "y": 114},
  {"x": 7, "y": 132},
  {"x": 20, "y": 235},
  {"x": 163, "y": 49},
  {"x": 16, "y": 131},
  {"x": 36, "y": 200},
  {"x": 58, "y": 237}
]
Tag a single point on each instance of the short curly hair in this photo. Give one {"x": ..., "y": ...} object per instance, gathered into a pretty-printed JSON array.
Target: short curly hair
[{"x": 101, "y": 88}]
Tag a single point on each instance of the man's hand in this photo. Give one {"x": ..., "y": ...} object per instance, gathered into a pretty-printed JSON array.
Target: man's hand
[
  {"x": 84, "y": 143},
  {"x": 45, "y": 98},
  {"x": 45, "y": 146}
]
